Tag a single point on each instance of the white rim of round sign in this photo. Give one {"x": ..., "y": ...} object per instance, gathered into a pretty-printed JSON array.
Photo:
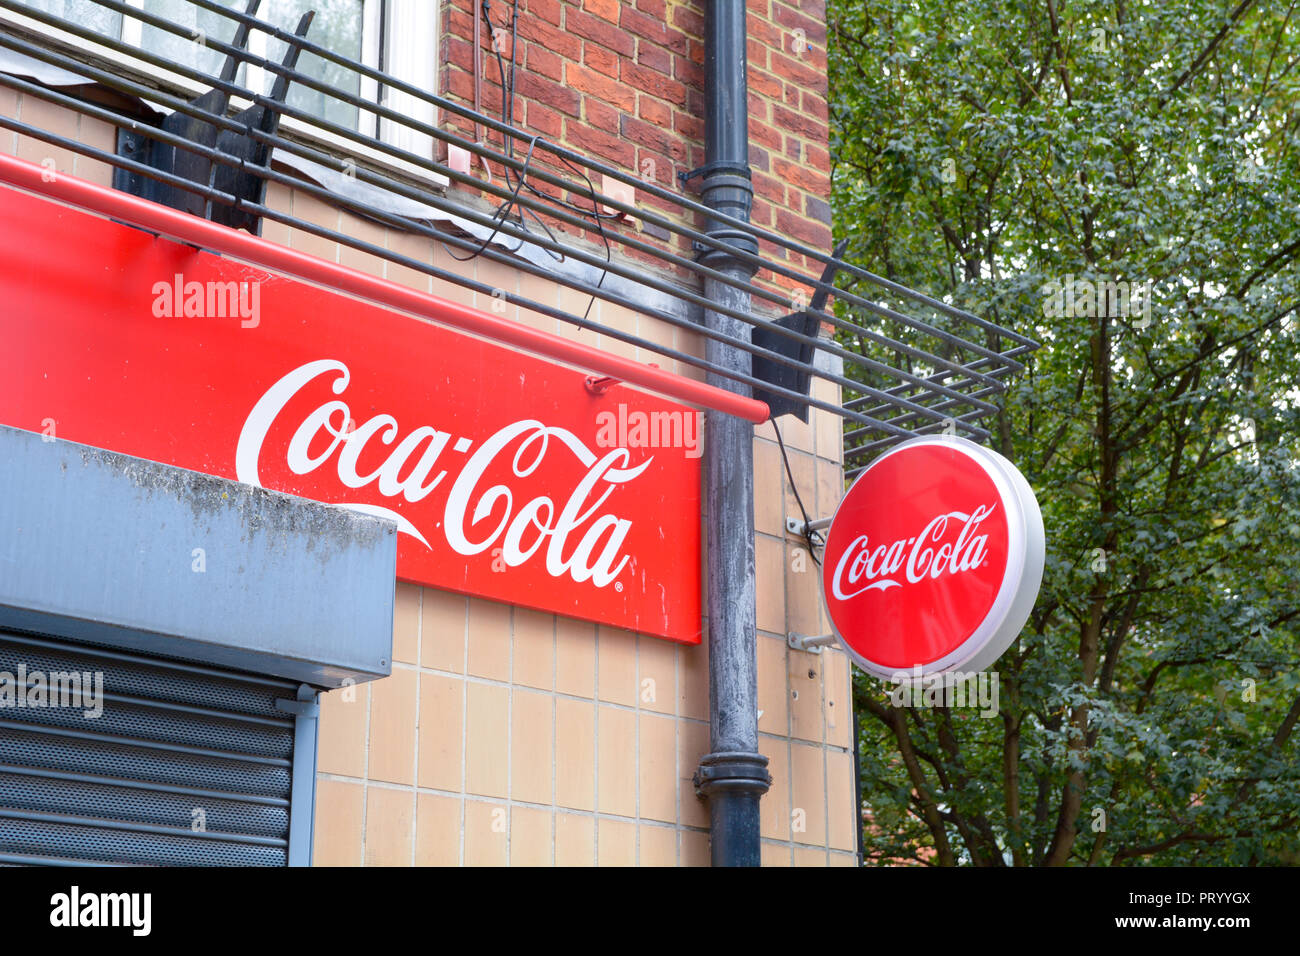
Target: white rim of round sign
[{"x": 1021, "y": 579}]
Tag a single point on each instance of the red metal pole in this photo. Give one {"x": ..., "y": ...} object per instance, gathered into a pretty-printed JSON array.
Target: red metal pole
[{"x": 300, "y": 265}]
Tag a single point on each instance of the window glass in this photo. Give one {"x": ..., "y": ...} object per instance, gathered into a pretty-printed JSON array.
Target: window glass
[
  {"x": 84, "y": 12},
  {"x": 182, "y": 49},
  {"x": 337, "y": 27}
]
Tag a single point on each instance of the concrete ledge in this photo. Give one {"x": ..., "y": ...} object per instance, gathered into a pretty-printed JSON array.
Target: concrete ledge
[{"x": 102, "y": 547}]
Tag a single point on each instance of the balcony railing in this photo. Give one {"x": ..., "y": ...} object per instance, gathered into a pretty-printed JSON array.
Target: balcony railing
[{"x": 543, "y": 216}]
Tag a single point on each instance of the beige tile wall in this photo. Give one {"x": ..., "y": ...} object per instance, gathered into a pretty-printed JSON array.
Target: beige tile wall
[
  {"x": 56, "y": 119},
  {"x": 507, "y": 736}
]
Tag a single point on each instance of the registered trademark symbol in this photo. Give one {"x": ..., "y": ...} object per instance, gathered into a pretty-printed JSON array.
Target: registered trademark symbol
[{"x": 618, "y": 586}]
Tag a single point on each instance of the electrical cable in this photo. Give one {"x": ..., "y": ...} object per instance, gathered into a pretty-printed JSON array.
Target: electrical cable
[
  {"x": 507, "y": 119},
  {"x": 558, "y": 208},
  {"x": 813, "y": 538},
  {"x": 508, "y": 142},
  {"x": 600, "y": 227},
  {"x": 502, "y": 213}
]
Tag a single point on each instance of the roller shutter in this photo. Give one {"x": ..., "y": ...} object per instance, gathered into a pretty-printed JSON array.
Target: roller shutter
[{"x": 187, "y": 765}]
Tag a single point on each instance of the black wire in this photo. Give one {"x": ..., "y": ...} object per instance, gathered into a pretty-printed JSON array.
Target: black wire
[
  {"x": 514, "y": 47},
  {"x": 502, "y": 212},
  {"x": 496, "y": 49},
  {"x": 507, "y": 118},
  {"x": 508, "y": 142},
  {"x": 508, "y": 114},
  {"x": 600, "y": 227},
  {"x": 808, "y": 533}
]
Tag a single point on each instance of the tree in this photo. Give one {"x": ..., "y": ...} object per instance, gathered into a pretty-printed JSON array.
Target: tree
[{"x": 1032, "y": 162}]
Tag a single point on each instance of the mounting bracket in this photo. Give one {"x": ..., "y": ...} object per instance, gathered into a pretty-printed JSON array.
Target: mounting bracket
[
  {"x": 227, "y": 176},
  {"x": 805, "y": 322},
  {"x": 811, "y": 644},
  {"x": 796, "y": 526}
]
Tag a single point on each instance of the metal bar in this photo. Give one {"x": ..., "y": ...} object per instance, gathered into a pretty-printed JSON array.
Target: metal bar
[
  {"x": 882, "y": 444},
  {"x": 810, "y": 642},
  {"x": 302, "y": 789},
  {"x": 143, "y": 744},
  {"x": 952, "y": 394},
  {"x": 956, "y": 419},
  {"x": 514, "y": 196},
  {"x": 940, "y": 406},
  {"x": 482, "y": 287},
  {"x": 430, "y": 270},
  {"x": 995, "y": 373},
  {"x": 149, "y": 785},
  {"x": 490, "y": 253},
  {"x": 440, "y": 169},
  {"x": 904, "y": 396},
  {"x": 277, "y": 258},
  {"x": 928, "y": 392},
  {"x": 281, "y": 723},
  {"x": 38, "y": 816},
  {"x": 596, "y": 166}
]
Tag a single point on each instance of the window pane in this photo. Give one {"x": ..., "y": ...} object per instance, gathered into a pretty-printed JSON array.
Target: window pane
[
  {"x": 182, "y": 49},
  {"x": 337, "y": 27},
  {"x": 83, "y": 12}
]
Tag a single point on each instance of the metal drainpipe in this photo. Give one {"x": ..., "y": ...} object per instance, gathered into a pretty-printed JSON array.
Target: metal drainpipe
[{"x": 734, "y": 776}]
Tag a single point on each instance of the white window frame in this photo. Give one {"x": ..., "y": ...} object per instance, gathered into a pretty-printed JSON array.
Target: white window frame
[{"x": 411, "y": 55}]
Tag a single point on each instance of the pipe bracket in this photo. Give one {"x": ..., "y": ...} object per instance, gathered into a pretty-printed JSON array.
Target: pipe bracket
[{"x": 732, "y": 771}]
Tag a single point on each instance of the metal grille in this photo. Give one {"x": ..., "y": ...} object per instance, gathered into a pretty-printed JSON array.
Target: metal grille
[
  {"x": 905, "y": 363},
  {"x": 185, "y": 766}
]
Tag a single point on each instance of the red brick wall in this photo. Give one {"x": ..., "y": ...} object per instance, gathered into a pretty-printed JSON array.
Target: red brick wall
[{"x": 622, "y": 82}]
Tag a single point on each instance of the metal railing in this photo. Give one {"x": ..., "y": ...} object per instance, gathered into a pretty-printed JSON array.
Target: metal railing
[{"x": 939, "y": 379}]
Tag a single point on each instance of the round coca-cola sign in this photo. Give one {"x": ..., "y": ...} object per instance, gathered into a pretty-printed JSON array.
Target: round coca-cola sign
[{"x": 933, "y": 559}]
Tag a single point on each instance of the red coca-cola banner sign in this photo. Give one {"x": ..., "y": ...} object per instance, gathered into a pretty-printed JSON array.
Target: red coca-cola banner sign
[
  {"x": 507, "y": 478},
  {"x": 933, "y": 559}
]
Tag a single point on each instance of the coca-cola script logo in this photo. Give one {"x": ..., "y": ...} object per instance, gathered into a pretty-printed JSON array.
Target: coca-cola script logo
[
  {"x": 926, "y": 559},
  {"x": 578, "y": 543},
  {"x": 924, "y": 556},
  {"x": 510, "y": 480}
]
